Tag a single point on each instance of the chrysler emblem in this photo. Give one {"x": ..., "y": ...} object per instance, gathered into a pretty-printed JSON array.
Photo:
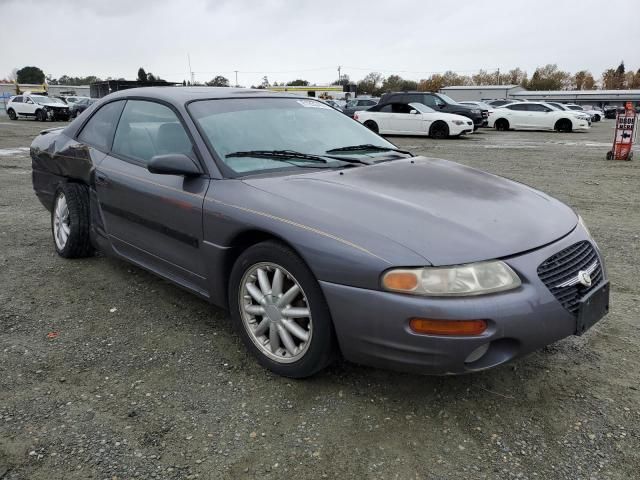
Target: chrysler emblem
[{"x": 584, "y": 278}]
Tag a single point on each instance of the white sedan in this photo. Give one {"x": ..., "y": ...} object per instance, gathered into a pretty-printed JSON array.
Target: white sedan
[
  {"x": 535, "y": 116},
  {"x": 413, "y": 119}
]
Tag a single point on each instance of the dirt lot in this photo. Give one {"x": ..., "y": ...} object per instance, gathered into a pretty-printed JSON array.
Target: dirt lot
[{"x": 143, "y": 380}]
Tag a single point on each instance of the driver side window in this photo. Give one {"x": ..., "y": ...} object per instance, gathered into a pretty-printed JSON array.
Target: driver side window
[
  {"x": 430, "y": 101},
  {"x": 400, "y": 108}
]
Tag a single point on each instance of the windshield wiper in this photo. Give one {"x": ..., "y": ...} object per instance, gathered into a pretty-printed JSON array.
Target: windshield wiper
[
  {"x": 288, "y": 155},
  {"x": 368, "y": 146}
]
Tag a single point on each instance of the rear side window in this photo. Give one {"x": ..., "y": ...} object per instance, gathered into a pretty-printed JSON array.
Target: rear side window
[
  {"x": 536, "y": 107},
  {"x": 98, "y": 131},
  {"x": 385, "y": 108},
  {"x": 147, "y": 129},
  {"x": 428, "y": 100},
  {"x": 521, "y": 107},
  {"x": 17, "y": 100}
]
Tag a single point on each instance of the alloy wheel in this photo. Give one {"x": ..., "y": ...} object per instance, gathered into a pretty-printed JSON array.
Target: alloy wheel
[
  {"x": 61, "y": 222},
  {"x": 275, "y": 312}
]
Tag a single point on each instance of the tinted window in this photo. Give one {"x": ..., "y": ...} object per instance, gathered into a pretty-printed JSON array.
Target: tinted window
[
  {"x": 385, "y": 109},
  {"x": 147, "y": 129},
  {"x": 430, "y": 101},
  {"x": 400, "y": 108},
  {"x": 17, "y": 100},
  {"x": 98, "y": 131},
  {"x": 536, "y": 107},
  {"x": 521, "y": 107}
]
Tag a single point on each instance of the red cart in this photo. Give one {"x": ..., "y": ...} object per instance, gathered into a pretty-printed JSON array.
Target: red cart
[{"x": 625, "y": 132}]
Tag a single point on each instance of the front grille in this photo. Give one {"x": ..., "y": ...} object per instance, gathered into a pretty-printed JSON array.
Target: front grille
[{"x": 564, "y": 266}]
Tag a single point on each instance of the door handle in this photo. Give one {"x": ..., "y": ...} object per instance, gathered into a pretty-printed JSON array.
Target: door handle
[{"x": 101, "y": 178}]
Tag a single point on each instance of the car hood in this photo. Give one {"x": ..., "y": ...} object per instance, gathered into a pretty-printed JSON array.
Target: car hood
[{"x": 445, "y": 212}]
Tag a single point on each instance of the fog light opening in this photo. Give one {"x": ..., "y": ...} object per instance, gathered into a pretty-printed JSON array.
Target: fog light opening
[{"x": 477, "y": 354}]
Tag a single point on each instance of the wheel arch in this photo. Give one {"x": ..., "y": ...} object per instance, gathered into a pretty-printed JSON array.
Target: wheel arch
[{"x": 238, "y": 244}]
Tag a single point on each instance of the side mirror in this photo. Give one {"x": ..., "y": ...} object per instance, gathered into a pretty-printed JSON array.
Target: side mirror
[
  {"x": 173, "y": 164},
  {"x": 414, "y": 112},
  {"x": 442, "y": 105}
]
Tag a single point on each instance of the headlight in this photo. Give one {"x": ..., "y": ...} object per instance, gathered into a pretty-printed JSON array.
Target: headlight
[
  {"x": 456, "y": 281},
  {"x": 457, "y": 122},
  {"x": 476, "y": 110}
]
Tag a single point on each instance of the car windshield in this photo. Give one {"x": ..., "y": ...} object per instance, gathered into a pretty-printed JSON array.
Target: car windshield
[
  {"x": 278, "y": 124},
  {"x": 447, "y": 99},
  {"x": 46, "y": 100}
]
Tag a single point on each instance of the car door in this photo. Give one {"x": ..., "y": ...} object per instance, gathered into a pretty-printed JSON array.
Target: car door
[
  {"x": 538, "y": 116},
  {"x": 518, "y": 115},
  {"x": 28, "y": 106},
  {"x": 154, "y": 220},
  {"x": 403, "y": 121},
  {"x": 17, "y": 104}
]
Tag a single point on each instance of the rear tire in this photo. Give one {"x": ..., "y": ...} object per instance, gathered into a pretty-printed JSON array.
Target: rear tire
[
  {"x": 302, "y": 358},
  {"x": 12, "y": 114},
  {"x": 41, "y": 115},
  {"x": 596, "y": 118},
  {"x": 371, "y": 125},
  {"x": 70, "y": 221},
  {"x": 439, "y": 130},
  {"x": 502, "y": 124},
  {"x": 563, "y": 125}
]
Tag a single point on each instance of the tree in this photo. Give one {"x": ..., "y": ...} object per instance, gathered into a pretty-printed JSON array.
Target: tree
[
  {"x": 484, "y": 78},
  {"x": 619, "y": 76},
  {"x": 298, "y": 83},
  {"x": 589, "y": 82},
  {"x": 609, "y": 79},
  {"x": 218, "y": 81},
  {"x": 265, "y": 82},
  {"x": 549, "y": 78},
  {"x": 344, "y": 80},
  {"x": 184, "y": 83},
  {"x": 30, "y": 75},
  {"x": 142, "y": 75},
  {"x": 514, "y": 77},
  {"x": 370, "y": 83},
  {"x": 395, "y": 83}
]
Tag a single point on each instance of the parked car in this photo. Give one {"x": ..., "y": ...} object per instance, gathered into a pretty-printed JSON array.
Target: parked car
[
  {"x": 334, "y": 104},
  {"x": 438, "y": 101},
  {"x": 71, "y": 99},
  {"x": 610, "y": 111},
  {"x": 578, "y": 113},
  {"x": 413, "y": 119},
  {"x": 80, "y": 106},
  {"x": 485, "y": 107},
  {"x": 40, "y": 107},
  {"x": 596, "y": 115},
  {"x": 358, "y": 104},
  {"x": 535, "y": 116},
  {"x": 317, "y": 234}
]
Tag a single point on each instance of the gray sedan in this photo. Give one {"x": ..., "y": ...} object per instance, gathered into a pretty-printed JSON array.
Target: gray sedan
[{"x": 319, "y": 236}]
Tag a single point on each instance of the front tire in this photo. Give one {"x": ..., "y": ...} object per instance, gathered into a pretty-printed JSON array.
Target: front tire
[
  {"x": 70, "y": 221},
  {"x": 563, "y": 125},
  {"x": 280, "y": 312},
  {"x": 41, "y": 116},
  {"x": 439, "y": 130},
  {"x": 12, "y": 114},
  {"x": 502, "y": 124}
]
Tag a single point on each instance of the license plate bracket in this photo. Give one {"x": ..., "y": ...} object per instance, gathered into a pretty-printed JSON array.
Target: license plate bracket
[{"x": 593, "y": 307}]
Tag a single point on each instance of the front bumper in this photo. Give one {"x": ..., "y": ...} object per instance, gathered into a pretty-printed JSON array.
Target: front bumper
[{"x": 373, "y": 326}]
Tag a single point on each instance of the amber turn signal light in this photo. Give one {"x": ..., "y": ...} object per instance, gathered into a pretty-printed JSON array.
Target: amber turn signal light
[
  {"x": 401, "y": 281},
  {"x": 428, "y": 326}
]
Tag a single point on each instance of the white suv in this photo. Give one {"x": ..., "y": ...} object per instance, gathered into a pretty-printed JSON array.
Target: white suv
[{"x": 39, "y": 107}]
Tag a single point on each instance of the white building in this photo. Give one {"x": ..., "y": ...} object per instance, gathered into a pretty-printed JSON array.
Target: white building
[
  {"x": 461, "y": 93},
  {"x": 582, "y": 97}
]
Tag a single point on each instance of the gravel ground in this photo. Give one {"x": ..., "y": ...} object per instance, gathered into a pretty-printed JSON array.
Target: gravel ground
[{"x": 107, "y": 372}]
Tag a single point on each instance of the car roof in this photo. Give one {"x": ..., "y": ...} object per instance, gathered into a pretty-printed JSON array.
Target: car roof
[{"x": 186, "y": 94}]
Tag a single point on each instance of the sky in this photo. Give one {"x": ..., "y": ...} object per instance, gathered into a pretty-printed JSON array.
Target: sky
[{"x": 287, "y": 39}]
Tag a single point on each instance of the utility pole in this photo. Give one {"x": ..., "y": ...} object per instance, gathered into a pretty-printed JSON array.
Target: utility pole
[
  {"x": 190, "y": 71},
  {"x": 236, "y": 77},
  {"x": 499, "y": 83},
  {"x": 339, "y": 76}
]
